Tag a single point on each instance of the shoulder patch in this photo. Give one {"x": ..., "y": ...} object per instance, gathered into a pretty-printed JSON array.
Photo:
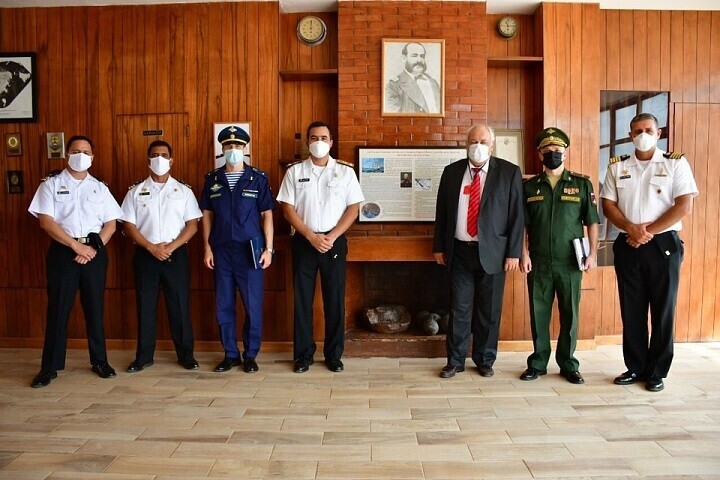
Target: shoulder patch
[
  {"x": 259, "y": 172},
  {"x": 294, "y": 163},
  {"x": 347, "y": 164},
  {"x": 579, "y": 175},
  {"x": 212, "y": 172},
  {"x": 50, "y": 175},
  {"x": 535, "y": 177},
  {"x": 618, "y": 159},
  {"x": 135, "y": 184},
  {"x": 673, "y": 155},
  {"x": 184, "y": 183}
]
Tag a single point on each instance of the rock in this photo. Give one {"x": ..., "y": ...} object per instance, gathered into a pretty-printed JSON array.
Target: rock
[
  {"x": 443, "y": 322},
  {"x": 430, "y": 325},
  {"x": 388, "y": 318}
]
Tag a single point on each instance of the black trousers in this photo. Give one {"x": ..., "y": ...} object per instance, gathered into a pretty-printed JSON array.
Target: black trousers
[
  {"x": 477, "y": 299},
  {"x": 648, "y": 276},
  {"x": 173, "y": 275},
  {"x": 64, "y": 278},
  {"x": 332, "y": 266}
]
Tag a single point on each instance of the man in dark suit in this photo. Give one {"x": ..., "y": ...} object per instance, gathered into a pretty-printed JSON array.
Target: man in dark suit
[
  {"x": 413, "y": 90},
  {"x": 479, "y": 222}
]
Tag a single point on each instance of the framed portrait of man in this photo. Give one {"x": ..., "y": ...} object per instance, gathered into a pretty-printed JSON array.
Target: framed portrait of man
[{"x": 413, "y": 73}]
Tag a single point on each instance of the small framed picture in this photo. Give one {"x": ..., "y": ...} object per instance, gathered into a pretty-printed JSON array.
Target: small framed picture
[
  {"x": 509, "y": 146},
  {"x": 413, "y": 73},
  {"x": 217, "y": 148},
  {"x": 18, "y": 87},
  {"x": 13, "y": 145}
]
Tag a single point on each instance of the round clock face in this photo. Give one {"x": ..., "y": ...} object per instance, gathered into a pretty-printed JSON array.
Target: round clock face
[
  {"x": 311, "y": 30},
  {"x": 507, "y": 27}
]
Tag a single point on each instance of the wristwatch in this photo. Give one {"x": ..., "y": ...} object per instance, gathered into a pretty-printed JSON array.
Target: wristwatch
[{"x": 271, "y": 250}]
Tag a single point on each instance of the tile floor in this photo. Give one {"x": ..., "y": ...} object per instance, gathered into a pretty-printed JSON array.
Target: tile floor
[{"x": 382, "y": 418}]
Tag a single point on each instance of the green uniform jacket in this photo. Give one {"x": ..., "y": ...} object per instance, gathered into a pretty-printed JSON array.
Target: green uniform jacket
[{"x": 554, "y": 217}]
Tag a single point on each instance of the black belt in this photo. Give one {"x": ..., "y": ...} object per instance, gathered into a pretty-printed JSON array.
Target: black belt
[
  {"x": 669, "y": 232},
  {"x": 323, "y": 233},
  {"x": 471, "y": 244}
]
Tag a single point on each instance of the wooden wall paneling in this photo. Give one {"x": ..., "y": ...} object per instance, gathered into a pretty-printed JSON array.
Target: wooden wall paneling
[
  {"x": 714, "y": 47},
  {"x": 627, "y": 57},
  {"x": 682, "y": 137},
  {"x": 702, "y": 241},
  {"x": 711, "y": 305},
  {"x": 250, "y": 96},
  {"x": 641, "y": 49},
  {"x": 704, "y": 40},
  {"x": 550, "y": 64},
  {"x": 613, "y": 49},
  {"x": 677, "y": 36},
  {"x": 690, "y": 56},
  {"x": 665, "y": 50},
  {"x": 653, "y": 40},
  {"x": 573, "y": 123}
]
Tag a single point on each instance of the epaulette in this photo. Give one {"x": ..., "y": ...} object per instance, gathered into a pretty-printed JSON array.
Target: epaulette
[
  {"x": 618, "y": 159},
  {"x": 50, "y": 175},
  {"x": 259, "y": 172},
  {"x": 211, "y": 172},
  {"x": 186, "y": 184},
  {"x": 673, "y": 155},
  {"x": 294, "y": 163},
  {"x": 347, "y": 164},
  {"x": 135, "y": 184},
  {"x": 579, "y": 175},
  {"x": 534, "y": 177}
]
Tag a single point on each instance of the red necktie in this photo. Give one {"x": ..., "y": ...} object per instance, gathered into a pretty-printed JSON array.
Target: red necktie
[{"x": 474, "y": 205}]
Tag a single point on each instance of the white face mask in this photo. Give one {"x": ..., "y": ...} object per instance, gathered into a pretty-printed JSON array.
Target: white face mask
[
  {"x": 79, "y": 161},
  {"x": 645, "y": 142},
  {"x": 234, "y": 156},
  {"x": 319, "y": 149},
  {"x": 478, "y": 152},
  {"x": 160, "y": 165}
]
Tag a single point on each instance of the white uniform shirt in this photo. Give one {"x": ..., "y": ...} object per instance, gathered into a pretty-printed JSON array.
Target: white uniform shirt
[
  {"x": 643, "y": 195},
  {"x": 160, "y": 211},
  {"x": 79, "y": 207},
  {"x": 464, "y": 201},
  {"x": 320, "y": 199}
]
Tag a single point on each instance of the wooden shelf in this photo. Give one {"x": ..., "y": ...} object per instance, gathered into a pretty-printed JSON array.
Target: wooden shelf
[
  {"x": 318, "y": 74},
  {"x": 513, "y": 61}
]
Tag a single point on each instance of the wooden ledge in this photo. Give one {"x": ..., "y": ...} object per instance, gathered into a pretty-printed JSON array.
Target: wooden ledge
[{"x": 390, "y": 249}]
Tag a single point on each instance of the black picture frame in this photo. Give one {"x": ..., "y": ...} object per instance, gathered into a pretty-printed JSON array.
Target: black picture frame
[{"x": 18, "y": 87}]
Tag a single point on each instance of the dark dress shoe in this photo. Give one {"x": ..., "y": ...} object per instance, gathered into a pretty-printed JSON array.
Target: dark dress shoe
[
  {"x": 627, "y": 378},
  {"x": 573, "y": 377},
  {"x": 654, "y": 384},
  {"x": 227, "y": 364},
  {"x": 104, "y": 370},
  {"x": 43, "y": 379},
  {"x": 189, "y": 363},
  {"x": 250, "y": 365},
  {"x": 530, "y": 373},
  {"x": 303, "y": 365},
  {"x": 335, "y": 365},
  {"x": 449, "y": 371},
  {"x": 137, "y": 366},
  {"x": 486, "y": 371}
]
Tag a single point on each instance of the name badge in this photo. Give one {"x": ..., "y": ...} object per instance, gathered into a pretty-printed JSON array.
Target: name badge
[
  {"x": 249, "y": 193},
  {"x": 623, "y": 177},
  {"x": 537, "y": 198},
  {"x": 144, "y": 193},
  {"x": 566, "y": 198},
  {"x": 304, "y": 180},
  {"x": 63, "y": 192},
  {"x": 215, "y": 195}
]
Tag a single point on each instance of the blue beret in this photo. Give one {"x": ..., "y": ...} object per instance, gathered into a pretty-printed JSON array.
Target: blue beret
[{"x": 233, "y": 134}]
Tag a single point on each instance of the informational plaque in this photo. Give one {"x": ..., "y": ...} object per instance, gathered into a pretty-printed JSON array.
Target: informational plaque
[{"x": 400, "y": 183}]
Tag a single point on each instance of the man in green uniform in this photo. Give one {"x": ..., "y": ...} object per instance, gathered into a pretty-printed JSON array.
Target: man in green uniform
[{"x": 558, "y": 203}]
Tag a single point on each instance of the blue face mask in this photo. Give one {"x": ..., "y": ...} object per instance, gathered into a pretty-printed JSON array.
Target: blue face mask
[{"x": 234, "y": 156}]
